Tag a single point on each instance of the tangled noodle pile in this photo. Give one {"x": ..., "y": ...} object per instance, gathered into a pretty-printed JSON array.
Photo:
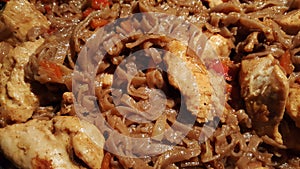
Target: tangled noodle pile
[{"x": 257, "y": 46}]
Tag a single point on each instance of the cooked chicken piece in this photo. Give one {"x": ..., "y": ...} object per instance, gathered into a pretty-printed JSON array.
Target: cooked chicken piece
[
  {"x": 264, "y": 88},
  {"x": 86, "y": 139},
  {"x": 16, "y": 99},
  {"x": 20, "y": 16},
  {"x": 4, "y": 50},
  {"x": 190, "y": 76},
  {"x": 67, "y": 106},
  {"x": 104, "y": 79},
  {"x": 222, "y": 46},
  {"x": 293, "y": 104},
  {"x": 213, "y": 3},
  {"x": 290, "y": 22},
  {"x": 53, "y": 144}
]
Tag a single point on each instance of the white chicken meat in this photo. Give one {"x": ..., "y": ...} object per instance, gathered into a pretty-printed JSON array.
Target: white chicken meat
[{"x": 53, "y": 144}]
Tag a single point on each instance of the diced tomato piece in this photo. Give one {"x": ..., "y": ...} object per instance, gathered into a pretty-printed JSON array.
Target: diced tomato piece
[
  {"x": 51, "y": 30},
  {"x": 286, "y": 63},
  {"x": 87, "y": 12},
  {"x": 221, "y": 68},
  {"x": 106, "y": 161},
  {"x": 51, "y": 69},
  {"x": 98, "y": 4},
  {"x": 218, "y": 67},
  {"x": 96, "y": 23},
  {"x": 48, "y": 8}
]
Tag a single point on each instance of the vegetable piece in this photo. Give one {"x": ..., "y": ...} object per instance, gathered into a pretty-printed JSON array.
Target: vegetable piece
[
  {"x": 48, "y": 8},
  {"x": 87, "y": 12},
  {"x": 221, "y": 68},
  {"x": 98, "y": 4},
  {"x": 96, "y": 23},
  {"x": 51, "y": 70},
  {"x": 106, "y": 161},
  {"x": 286, "y": 63}
]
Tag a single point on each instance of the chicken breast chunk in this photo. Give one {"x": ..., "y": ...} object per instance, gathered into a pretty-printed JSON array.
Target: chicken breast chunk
[
  {"x": 222, "y": 46},
  {"x": 20, "y": 16},
  {"x": 290, "y": 22},
  {"x": 213, "y": 3},
  {"x": 293, "y": 104},
  {"x": 16, "y": 99},
  {"x": 190, "y": 76},
  {"x": 53, "y": 144},
  {"x": 264, "y": 88}
]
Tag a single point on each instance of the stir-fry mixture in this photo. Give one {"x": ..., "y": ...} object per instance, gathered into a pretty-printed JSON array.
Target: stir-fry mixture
[{"x": 257, "y": 46}]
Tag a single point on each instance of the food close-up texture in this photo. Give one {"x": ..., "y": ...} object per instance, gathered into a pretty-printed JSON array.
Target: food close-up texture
[{"x": 73, "y": 93}]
